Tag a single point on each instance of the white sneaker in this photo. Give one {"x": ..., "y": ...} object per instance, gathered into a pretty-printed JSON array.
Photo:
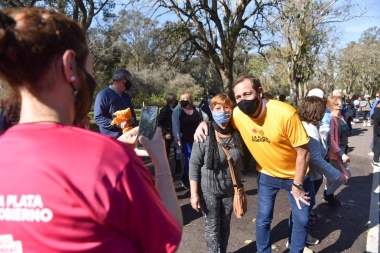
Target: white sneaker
[
  {"x": 370, "y": 153},
  {"x": 305, "y": 250},
  {"x": 364, "y": 124},
  {"x": 369, "y": 124}
]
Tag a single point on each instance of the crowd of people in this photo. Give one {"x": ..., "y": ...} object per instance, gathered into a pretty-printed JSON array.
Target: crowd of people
[{"x": 92, "y": 193}]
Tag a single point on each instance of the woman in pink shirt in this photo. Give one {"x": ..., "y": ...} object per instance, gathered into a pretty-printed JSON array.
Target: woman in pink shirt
[{"x": 64, "y": 188}]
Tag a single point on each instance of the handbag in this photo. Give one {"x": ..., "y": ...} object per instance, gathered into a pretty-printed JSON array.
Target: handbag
[{"x": 240, "y": 197}]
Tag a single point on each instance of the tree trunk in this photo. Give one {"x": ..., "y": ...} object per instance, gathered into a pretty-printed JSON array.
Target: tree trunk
[
  {"x": 299, "y": 90},
  {"x": 227, "y": 81},
  {"x": 293, "y": 86}
]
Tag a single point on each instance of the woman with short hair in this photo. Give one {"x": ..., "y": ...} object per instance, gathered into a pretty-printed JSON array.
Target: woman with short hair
[{"x": 211, "y": 185}]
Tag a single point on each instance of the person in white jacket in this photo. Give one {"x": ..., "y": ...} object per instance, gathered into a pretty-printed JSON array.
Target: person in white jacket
[{"x": 311, "y": 112}]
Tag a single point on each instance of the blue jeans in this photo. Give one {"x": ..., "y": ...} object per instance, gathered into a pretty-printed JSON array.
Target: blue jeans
[
  {"x": 312, "y": 193},
  {"x": 186, "y": 151},
  {"x": 268, "y": 188}
]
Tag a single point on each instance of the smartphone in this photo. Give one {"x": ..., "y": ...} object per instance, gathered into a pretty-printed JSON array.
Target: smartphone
[{"x": 148, "y": 123}]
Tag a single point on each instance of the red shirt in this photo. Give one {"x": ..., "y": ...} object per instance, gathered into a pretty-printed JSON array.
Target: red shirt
[{"x": 65, "y": 189}]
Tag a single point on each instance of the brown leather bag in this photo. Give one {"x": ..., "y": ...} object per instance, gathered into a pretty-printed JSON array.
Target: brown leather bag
[{"x": 240, "y": 198}]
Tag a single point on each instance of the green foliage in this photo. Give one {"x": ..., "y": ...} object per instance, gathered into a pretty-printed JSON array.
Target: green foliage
[
  {"x": 359, "y": 64},
  {"x": 139, "y": 100}
]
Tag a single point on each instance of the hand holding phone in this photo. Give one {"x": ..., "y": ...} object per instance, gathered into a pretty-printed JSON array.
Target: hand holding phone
[{"x": 148, "y": 123}]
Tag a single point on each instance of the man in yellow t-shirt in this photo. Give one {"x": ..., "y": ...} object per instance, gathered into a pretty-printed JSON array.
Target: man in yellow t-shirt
[{"x": 278, "y": 141}]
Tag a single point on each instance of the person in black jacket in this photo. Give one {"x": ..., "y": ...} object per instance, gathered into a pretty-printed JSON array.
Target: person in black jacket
[
  {"x": 165, "y": 122},
  {"x": 349, "y": 115},
  {"x": 376, "y": 136},
  {"x": 205, "y": 105}
]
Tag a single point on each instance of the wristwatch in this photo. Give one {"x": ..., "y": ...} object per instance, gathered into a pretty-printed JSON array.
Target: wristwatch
[{"x": 298, "y": 186}]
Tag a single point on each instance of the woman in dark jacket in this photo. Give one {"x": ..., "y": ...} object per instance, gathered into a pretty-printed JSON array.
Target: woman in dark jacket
[
  {"x": 165, "y": 122},
  {"x": 376, "y": 136},
  {"x": 211, "y": 185}
]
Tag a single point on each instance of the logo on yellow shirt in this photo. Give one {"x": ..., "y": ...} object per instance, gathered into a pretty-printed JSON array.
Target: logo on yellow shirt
[{"x": 261, "y": 138}]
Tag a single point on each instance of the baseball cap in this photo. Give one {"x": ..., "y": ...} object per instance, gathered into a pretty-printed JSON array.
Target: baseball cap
[{"x": 316, "y": 92}]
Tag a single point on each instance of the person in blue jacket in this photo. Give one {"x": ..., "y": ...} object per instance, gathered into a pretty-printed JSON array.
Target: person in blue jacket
[
  {"x": 112, "y": 99},
  {"x": 375, "y": 104}
]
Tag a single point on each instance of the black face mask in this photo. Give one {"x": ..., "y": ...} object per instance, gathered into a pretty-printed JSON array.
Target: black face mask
[
  {"x": 184, "y": 103},
  {"x": 249, "y": 107},
  {"x": 128, "y": 85},
  {"x": 83, "y": 98},
  {"x": 91, "y": 85}
]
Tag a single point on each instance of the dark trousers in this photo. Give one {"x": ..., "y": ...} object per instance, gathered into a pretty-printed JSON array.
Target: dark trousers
[
  {"x": 217, "y": 211},
  {"x": 168, "y": 144},
  {"x": 376, "y": 147},
  {"x": 349, "y": 120}
]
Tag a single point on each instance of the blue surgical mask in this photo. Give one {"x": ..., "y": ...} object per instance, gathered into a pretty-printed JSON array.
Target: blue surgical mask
[
  {"x": 221, "y": 118},
  {"x": 377, "y": 99}
]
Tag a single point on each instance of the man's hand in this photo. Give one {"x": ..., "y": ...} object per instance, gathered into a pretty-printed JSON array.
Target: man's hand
[
  {"x": 345, "y": 158},
  {"x": 342, "y": 179},
  {"x": 300, "y": 196},
  {"x": 201, "y": 132},
  {"x": 123, "y": 124}
]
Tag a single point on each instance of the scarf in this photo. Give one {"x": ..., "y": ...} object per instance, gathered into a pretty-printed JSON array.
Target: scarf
[{"x": 213, "y": 157}]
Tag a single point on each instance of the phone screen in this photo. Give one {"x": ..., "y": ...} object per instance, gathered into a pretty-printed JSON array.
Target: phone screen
[{"x": 148, "y": 123}]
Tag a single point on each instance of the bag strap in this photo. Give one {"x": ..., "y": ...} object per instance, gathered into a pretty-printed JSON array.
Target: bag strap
[{"x": 229, "y": 160}]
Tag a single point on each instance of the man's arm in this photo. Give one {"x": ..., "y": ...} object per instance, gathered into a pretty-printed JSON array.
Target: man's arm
[
  {"x": 302, "y": 161},
  {"x": 201, "y": 132},
  {"x": 131, "y": 107},
  {"x": 101, "y": 109}
]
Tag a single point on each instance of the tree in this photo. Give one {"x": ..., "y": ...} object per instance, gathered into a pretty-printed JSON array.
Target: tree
[
  {"x": 369, "y": 60},
  {"x": 138, "y": 37},
  {"x": 82, "y": 11},
  {"x": 348, "y": 70},
  {"x": 303, "y": 27},
  {"x": 359, "y": 63},
  {"x": 215, "y": 28}
]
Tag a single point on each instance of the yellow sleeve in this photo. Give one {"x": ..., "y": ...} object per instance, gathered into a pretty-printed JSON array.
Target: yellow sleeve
[{"x": 296, "y": 132}]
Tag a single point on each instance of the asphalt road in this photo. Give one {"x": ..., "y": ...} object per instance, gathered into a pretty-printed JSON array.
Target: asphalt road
[{"x": 352, "y": 227}]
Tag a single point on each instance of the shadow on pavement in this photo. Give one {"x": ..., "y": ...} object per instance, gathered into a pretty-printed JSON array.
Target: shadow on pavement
[
  {"x": 342, "y": 226},
  {"x": 189, "y": 214}
]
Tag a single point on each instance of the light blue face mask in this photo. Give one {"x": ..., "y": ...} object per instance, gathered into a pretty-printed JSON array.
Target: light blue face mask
[
  {"x": 221, "y": 118},
  {"x": 377, "y": 99}
]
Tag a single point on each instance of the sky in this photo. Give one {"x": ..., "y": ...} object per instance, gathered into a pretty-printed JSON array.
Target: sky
[
  {"x": 349, "y": 30},
  {"x": 353, "y": 29}
]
